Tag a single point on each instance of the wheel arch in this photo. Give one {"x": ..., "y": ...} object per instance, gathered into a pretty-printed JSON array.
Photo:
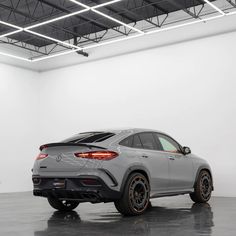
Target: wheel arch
[
  {"x": 204, "y": 168},
  {"x": 135, "y": 169}
]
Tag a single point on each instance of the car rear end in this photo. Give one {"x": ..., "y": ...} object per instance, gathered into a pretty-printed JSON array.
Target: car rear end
[{"x": 74, "y": 169}]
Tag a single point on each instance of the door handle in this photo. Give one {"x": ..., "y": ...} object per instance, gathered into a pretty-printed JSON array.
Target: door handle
[
  {"x": 145, "y": 156},
  {"x": 171, "y": 158}
]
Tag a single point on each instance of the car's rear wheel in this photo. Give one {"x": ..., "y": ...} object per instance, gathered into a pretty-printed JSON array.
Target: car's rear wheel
[
  {"x": 203, "y": 188},
  {"x": 135, "y": 197},
  {"x": 62, "y": 205}
]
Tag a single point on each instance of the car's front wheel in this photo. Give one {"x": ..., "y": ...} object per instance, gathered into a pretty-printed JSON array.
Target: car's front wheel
[
  {"x": 62, "y": 205},
  {"x": 135, "y": 197},
  {"x": 203, "y": 188}
]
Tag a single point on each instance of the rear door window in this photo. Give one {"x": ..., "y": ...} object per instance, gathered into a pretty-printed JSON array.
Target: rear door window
[
  {"x": 148, "y": 141},
  {"x": 145, "y": 140}
]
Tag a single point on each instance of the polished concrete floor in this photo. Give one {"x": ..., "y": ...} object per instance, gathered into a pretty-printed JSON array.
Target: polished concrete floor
[{"x": 21, "y": 214}]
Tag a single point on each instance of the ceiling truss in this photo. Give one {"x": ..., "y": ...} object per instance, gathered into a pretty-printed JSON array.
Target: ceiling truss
[{"x": 43, "y": 29}]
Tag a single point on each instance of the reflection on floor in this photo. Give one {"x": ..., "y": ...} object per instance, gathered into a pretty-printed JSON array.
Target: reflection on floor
[{"x": 23, "y": 214}]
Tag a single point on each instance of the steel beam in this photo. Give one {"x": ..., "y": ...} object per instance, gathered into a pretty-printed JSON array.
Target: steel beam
[
  {"x": 183, "y": 8},
  {"x": 232, "y": 3},
  {"x": 85, "y": 18}
]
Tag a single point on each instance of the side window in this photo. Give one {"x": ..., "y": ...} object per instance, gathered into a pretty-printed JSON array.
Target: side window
[
  {"x": 136, "y": 142},
  {"x": 148, "y": 141},
  {"x": 168, "y": 144},
  {"x": 127, "y": 141}
]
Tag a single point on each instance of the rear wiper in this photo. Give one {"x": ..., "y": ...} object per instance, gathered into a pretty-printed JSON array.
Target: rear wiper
[{"x": 68, "y": 144}]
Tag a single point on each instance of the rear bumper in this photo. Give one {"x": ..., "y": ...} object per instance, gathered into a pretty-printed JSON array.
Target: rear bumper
[{"x": 83, "y": 189}]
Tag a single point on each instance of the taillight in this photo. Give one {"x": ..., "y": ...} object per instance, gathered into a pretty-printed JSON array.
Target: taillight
[
  {"x": 41, "y": 156},
  {"x": 98, "y": 155}
]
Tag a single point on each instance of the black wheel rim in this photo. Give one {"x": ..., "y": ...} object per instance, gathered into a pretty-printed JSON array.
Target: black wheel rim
[
  {"x": 139, "y": 193},
  {"x": 205, "y": 185}
]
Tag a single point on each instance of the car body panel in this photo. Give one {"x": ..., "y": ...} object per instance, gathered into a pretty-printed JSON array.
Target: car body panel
[
  {"x": 181, "y": 171},
  {"x": 158, "y": 165}
]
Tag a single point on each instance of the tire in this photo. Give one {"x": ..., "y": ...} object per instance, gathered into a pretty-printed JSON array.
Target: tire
[
  {"x": 61, "y": 205},
  {"x": 203, "y": 188},
  {"x": 135, "y": 197}
]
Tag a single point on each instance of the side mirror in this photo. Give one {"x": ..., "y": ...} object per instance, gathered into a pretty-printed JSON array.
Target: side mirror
[{"x": 186, "y": 150}]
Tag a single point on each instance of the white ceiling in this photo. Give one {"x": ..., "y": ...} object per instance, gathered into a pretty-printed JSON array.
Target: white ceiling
[{"x": 190, "y": 32}]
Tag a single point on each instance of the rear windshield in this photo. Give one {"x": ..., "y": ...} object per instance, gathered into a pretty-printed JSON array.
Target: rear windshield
[{"x": 89, "y": 137}]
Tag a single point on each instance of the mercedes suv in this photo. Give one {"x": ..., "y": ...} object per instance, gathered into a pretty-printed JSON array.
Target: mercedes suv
[{"x": 127, "y": 167}]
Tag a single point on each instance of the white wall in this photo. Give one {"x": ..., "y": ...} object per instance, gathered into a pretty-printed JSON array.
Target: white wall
[
  {"x": 18, "y": 127},
  {"x": 187, "y": 90}
]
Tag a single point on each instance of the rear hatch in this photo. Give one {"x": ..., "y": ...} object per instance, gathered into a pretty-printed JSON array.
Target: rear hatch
[{"x": 61, "y": 157}]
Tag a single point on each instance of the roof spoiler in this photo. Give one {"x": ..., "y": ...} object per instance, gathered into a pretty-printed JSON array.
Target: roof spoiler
[{"x": 68, "y": 144}]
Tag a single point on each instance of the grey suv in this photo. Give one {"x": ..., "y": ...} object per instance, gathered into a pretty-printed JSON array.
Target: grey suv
[{"x": 127, "y": 167}]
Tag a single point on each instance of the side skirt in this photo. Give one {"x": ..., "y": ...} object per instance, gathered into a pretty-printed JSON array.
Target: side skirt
[{"x": 167, "y": 194}]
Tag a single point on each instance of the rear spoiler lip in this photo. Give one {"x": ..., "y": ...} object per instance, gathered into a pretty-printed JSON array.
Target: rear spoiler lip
[{"x": 68, "y": 144}]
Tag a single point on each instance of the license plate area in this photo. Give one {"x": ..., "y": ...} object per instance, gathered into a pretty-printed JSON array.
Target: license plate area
[{"x": 59, "y": 184}]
